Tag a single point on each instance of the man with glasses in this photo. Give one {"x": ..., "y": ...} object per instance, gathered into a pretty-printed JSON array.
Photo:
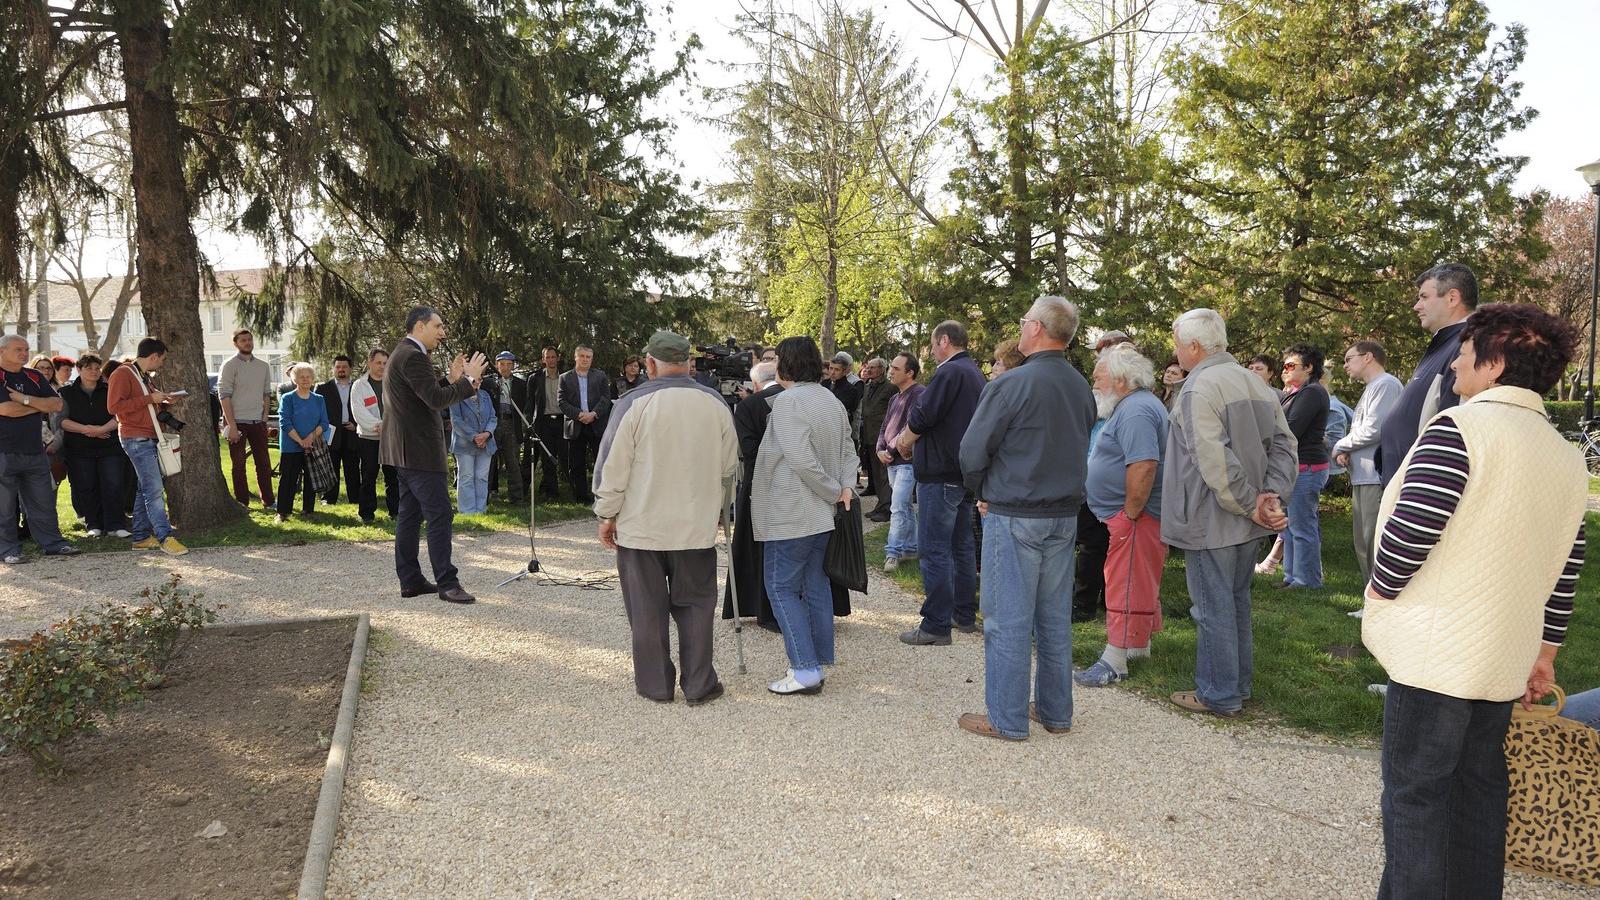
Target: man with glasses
[{"x": 1358, "y": 449}]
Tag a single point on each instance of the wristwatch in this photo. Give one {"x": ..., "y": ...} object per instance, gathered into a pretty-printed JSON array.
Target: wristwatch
[{"x": 27, "y": 400}]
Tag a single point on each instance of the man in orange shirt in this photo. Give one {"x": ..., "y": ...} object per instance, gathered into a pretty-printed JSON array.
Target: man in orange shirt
[{"x": 136, "y": 405}]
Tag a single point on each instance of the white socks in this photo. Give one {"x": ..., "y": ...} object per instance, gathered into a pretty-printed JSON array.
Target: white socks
[
  {"x": 1139, "y": 652},
  {"x": 1116, "y": 658}
]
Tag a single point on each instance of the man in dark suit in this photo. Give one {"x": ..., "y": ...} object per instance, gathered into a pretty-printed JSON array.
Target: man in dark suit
[
  {"x": 510, "y": 395},
  {"x": 586, "y": 402},
  {"x": 412, "y": 441},
  {"x": 346, "y": 455},
  {"x": 875, "y": 399},
  {"x": 545, "y": 397}
]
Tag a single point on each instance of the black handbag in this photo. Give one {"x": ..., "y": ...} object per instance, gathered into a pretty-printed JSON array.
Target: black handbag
[{"x": 845, "y": 560}]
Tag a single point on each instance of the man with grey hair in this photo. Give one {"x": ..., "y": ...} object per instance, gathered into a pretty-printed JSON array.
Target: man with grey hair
[
  {"x": 840, "y": 378},
  {"x": 662, "y": 474},
  {"x": 1029, "y": 492},
  {"x": 1230, "y": 458},
  {"x": 875, "y": 396},
  {"x": 1110, "y": 339},
  {"x": 1094, "y": 541},
  {"x": 747, "y": 556},
  {"x": 25, "y": 480},
  {"x": 1124, "y": 496}
]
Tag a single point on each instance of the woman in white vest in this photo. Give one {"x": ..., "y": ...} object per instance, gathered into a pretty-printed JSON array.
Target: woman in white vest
[{"x": 1471, "y": 590}]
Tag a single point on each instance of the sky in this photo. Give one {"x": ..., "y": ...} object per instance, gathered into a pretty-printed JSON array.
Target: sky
[{"x": 1560, "y": 79}]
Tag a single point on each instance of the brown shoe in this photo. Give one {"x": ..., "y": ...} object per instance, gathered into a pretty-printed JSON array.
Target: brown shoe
[
  {"x": 978, "y": 723},
  {"x": 1033, "y": 713},
  {"x": 456, "y": 595},
  {"x": 1189, "y": 701}
]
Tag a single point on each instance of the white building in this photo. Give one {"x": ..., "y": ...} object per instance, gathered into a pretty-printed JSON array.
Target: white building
[{"x": 67, "y": 336}]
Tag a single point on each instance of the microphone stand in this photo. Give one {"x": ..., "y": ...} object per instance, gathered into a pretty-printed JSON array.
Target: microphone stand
[{"x": 532, "y": 437}]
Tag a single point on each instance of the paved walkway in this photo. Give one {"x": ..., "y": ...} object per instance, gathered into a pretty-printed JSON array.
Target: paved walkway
[{"x": 501, "y": 751}]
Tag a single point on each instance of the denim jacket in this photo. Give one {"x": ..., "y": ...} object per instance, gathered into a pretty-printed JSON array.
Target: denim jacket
[{"x": 469, "y": 417}]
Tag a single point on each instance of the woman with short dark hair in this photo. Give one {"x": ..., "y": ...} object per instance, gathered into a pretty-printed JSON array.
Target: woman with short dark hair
[
  {"x": 1305, "y": 405},
  {"x": 93, "y": 455},
  {"x": 632, "y": 376},
  {"x": 1471, "y": 592},
  {"x": 806, "y": 464}
]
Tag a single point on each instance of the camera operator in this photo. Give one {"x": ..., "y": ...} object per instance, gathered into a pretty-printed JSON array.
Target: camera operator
[{"x": 137, "y": 406}]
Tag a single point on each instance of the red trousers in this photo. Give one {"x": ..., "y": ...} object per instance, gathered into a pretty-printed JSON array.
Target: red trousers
[{"x": 1133, "y": 580}]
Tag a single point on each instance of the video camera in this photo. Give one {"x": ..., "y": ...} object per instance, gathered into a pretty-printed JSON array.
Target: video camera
[{"x": 727, "y": 365}]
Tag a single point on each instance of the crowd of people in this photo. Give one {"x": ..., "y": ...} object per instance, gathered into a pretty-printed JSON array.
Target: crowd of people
[
  {"x": 1066, "y": 492},
  {"x": 1468, "y": 588}
]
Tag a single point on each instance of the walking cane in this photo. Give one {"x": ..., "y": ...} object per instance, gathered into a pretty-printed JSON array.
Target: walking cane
[{"x": 728, "y": 511}]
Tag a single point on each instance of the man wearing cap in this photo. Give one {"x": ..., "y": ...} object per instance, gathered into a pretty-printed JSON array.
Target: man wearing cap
[
  {"x": 510, "y": 395},
  {"x": 662, "y": 475}
]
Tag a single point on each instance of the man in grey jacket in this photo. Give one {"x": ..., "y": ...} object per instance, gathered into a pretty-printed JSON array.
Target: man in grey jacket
[
  {"x": 1230, "y": 459},
  {"x": 1025, "y": 456},
  {"x": 1358, "y": 450}
]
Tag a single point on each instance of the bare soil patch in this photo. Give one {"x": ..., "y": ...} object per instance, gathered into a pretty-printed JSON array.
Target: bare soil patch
[{"x": 238, "y": 735}]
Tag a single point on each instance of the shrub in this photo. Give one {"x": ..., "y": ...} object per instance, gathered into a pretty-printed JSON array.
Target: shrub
[
  {"x": 1567, "y": 415},
  {"x": 59, "y": 684}
]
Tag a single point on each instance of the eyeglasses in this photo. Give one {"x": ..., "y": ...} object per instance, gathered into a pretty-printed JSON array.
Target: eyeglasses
[{"x": 1026, "y": 320}]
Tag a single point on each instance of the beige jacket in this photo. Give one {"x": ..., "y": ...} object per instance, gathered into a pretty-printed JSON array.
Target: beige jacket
[
  {"x": 666, "y": 464},
  {"x": 1470, "y": 622}
]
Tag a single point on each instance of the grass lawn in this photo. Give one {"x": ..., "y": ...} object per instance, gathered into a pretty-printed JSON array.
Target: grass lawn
[
  {"x": 1298, "y": 681},
  {"x": 338, "y": 522}
]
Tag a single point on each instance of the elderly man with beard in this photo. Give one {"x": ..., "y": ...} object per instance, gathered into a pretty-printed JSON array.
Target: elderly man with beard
[{"x": 1124, "y": 493}]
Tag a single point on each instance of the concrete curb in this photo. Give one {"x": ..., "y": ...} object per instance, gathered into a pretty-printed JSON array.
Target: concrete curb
[{"x": 325, "y": 825}]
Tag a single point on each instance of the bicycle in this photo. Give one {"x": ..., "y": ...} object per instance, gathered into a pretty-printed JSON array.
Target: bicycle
[{"x": 1588, "y": 440}]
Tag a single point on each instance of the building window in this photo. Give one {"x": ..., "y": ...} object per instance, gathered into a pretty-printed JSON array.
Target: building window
[
  {"x": 216, "y": 363},
  {"x": 135, "y": 322},
  {"x": 216, "y": 318}
]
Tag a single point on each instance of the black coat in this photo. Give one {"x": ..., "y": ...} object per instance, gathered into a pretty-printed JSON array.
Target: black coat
[
  {"x": 599, "y": 401},
  {"x": 536, "y": 398},
  {"x": 519, "y": 396},
  {"x": 330, "y": 395}
]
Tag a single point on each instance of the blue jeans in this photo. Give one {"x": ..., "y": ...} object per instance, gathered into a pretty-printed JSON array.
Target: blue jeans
[
  {"x": 149, "y": 507},
  {"x": 472, "y": 481},
  {"x": 1584, "y": 707},
  {"x": 902, "y": 542},
  {"x": 1219, "y": 586},
  {"x": 1027, "y": 604},
  {"x": 949, "y": 564},
  {"x": 1444, "y": 795},
  {"x": 25, "y": 484},
  {"x": 1302, "y": 543},
  {"x": 801, "y": 597}
]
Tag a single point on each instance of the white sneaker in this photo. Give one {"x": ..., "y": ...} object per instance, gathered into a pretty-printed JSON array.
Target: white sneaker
[
  {"x": 1382, "y": 690},
  {"x": 1139, "y": 652},
  {"x": 95, "y": 532},
  {"x": 122, "y": 533},
  {"x": 1357, "y": 614},
  {"x": 788, "y": 684},
  {"x": 890, "y": 563}
]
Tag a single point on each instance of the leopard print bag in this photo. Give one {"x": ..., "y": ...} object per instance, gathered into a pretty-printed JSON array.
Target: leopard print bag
[{"x": 1553, "y": 810}]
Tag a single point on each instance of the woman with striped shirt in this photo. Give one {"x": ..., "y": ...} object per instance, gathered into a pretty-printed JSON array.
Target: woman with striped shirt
[
  {"x": 806, "y": 464},
  {"x": 1472, "y": 586}
]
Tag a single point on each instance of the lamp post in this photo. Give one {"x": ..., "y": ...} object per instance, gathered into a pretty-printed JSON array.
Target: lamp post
[{"x": 1591, "y": 174}]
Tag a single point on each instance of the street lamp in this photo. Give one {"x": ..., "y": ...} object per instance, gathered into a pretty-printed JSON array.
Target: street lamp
[{"x": 1591, "y": 174}]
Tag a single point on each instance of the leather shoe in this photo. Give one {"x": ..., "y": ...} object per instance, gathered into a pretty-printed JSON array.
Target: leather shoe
[
  {"x": 716, "y": 691},
  {"x": 456, "y": 594},
  {"x": 968, "y": 628},
  {"x": 919, "y": 638},
  {"x": 978, "y": 723},
  {"x": 427, "y": 587},
  {"x": 1033, "y": 713},
  {"x": 876, "y": 516}
]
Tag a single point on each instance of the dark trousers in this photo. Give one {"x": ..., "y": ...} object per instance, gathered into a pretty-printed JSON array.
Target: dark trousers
[
  {"x": 548, "y": 430},
  {"x": 294, "y": 476},
  {"x": 423, "y": 496},
  {"x": 26, "y": 484},
  {"x": 1444, "y": 795},
  {"x": 252, "y": 438},
  {"x": 581, "y": 448},
  {"x": 507, "y": 441},
  {"x": 347, "y": 456},
  {"x": 947, "y": 557},
  {"x": 1089, "y": 581},
  {"x": 680, "y": 585},
  {"x": 96, "y": 483},
  {"x": 367, "y": 500}
]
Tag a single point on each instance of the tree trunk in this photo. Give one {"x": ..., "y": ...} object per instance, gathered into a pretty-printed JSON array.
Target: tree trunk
[
  {"x": 830, "y": 299},
  {"x": 169, "y": 275},
  {"x": 1017, "y": 157}
]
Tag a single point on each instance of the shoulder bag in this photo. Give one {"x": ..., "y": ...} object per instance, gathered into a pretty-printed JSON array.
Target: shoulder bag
[
  {"x": 1553, "y": 807},
  {"x": 169, "y": 445}
]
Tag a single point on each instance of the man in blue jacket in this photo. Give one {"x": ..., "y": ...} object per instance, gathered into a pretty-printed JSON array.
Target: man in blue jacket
[
  {"x": 1446, "y": 295},
  {"x": 932, "y": 439},
  {"x": 1025, "y": 455}
]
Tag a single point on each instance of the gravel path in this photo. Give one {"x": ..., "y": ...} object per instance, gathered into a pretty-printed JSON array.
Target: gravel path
[{"x": 501, "y": 751}]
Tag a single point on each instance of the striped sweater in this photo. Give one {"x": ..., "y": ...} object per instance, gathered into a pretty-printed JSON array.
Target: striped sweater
[{"x": 1430, "y": 490}]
